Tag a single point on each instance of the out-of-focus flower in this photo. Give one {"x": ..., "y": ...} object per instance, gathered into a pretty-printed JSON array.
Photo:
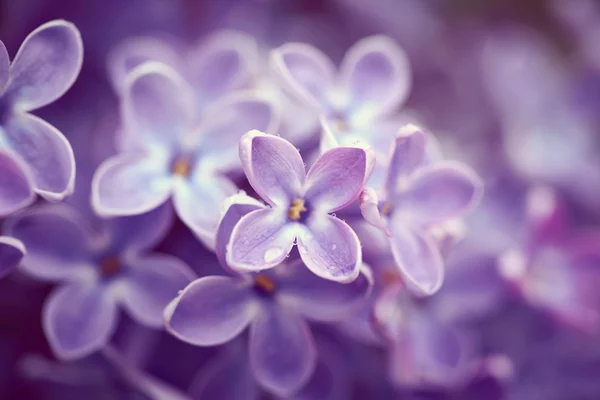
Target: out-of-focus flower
[
  {"x": 300, "y": 207},
  {"x": 419, "y": 195},
  {"x": 274, "y": 303},
  {"x": 97, "y": 273},
  {"x": 174, "y": 155},
  {"x": 45, "y": 67},
  {"x": 12, "y": 252}
]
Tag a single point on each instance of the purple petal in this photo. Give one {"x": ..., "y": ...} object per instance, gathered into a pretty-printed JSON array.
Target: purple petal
[
  {"x": 198, "y": 204},
  {"x": 12, "y": 252},
  {"x": 16, "y": 184},
  {"x": 417, "y": 257},
  {"x": 46, "y": 151},
  {"x": 149, "y": 284},
  {"x": 306, "y": 72},
  {"x": 273, "y": 167},
  {"x": 261, "y": 239},
  {"x": 158, "y": 105},
  {"x": 330, "y": 248},
  {"x": 442, "y": 191},
  {"x": 225, "y": 61},
  {"x": 319, "y": 298},
  {"x": 46, "y": 65},
  {"x": 376, "y": 73},
  {"x": 407, "y": 155},
  {"x": 228, "y": 120},
  {"x": 130, "y": 184},
  {"x": 4, "y": 66},
  {"x": 235, "y": 208},
  {"x": 369, "y": 208},
  {"x": 57, "y": 242},
  {"x": 211, "y": 311},
  {"x": 78, "y": 320},
  {"x": 337, "y": 178},
  {"x": 282, "y": 353}
]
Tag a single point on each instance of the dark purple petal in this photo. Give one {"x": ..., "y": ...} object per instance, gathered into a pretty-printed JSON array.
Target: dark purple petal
[
  {"x": 148, "y": 285},
  {"x": 57, "y": 242},
  {"x": 261, "y": 239},
  {"x": 306, "y": 72},
  {"x": 273, "y": 167},
  {"x": 376, "y": 72},
  {"x": 407, "y": 155},
  {"x": 46, "y": 65},
  {"x": 78, "y": 319},
  {"x": 330, "y": 248},
  {"x": 282, "y": 352},
  {"x": 337, "y": 178},
  {"x": 442, "y": 191},
  {"x": 130, "y": 184},
  {"x": 12, "y": 252},
  {"x": 417, "y": 257},
  {"x": 158, "y": 105},
  {"x": 319, "y": 298},
  {"x": 16, "y": 184},
  {"x": 211, "y": 311},
  {"x": 4, "y": 66},
  {"x": 46, "y": 151}
]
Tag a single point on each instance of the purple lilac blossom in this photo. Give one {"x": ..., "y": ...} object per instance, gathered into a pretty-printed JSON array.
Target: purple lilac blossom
[{"x": 97, "y": 272}]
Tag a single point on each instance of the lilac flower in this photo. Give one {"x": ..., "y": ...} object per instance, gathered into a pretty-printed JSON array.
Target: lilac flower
[
  {"x": 418, "y": 195},
  {"x": 97, "y": 273},
  {"x": 300, "y": 207},
  {"x": 175, "y": 156},
  {"x": 44, "y": 68},
  {"x": 355, "y": 103},
  {"x": 16, "y": 184},
  {"x": 274, "y": 303},
  {"x": 12, "y": 252}
]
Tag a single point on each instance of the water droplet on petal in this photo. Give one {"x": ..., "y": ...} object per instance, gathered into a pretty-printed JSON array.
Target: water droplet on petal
[
  {"x": 333, "y": 246},
  {"x": 333, "y": 215},
  {"x": 273, "y": 253},
  {"x": 179, "y": 292}
]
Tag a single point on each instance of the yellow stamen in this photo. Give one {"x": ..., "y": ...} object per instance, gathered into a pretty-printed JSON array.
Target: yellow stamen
[
  {"x": 110, "y": 266},
  {"x": 341, "y": 126},
  {"x": 181, "y": 167},
  {"x": 265, "y": 283},
  {"x": 296, "y": 209},
  {"x": 387, "y": 208}
]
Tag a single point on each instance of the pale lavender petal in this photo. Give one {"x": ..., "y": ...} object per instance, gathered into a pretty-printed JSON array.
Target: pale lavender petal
[
  {"x": 442, "y": 191},
  {"x": 198, "y": 204},
  {"x": 228, "y": 120},
  {"x": 322, "y": 299},
  {"x": 158, "y": 105},
  {"x": 46, "y": 65},
  {"x": 408, "y": 153},
  {"x": 376, "y": 72},
  {"x": 211, "y": 311},
  {"x": 57, "y": 241},
  {"x": 260, "y": 240},
  {"x": 46, "y": 151},
  {"x": 417, "y": 257},
  {"x": 369, "y": 208},
  {"x": 306, "y": 72},
  {"x": 225, "y": 61},
  {"x": 330, "y": 248},
  {"x": 282, "y": 352},
  {"x": 337, "y": 178},
  {"x": 273, "y": 167},
  {"x": 12, "y": 252},
  {"x": 235, "y": 207},
  {"x": 78, "y": 320},
  {"x": 130, "y": 184},
  {"x": 4, "y": 66},
  {"x": 148, "y": 285},
  {"x": 16, "y": 184}
]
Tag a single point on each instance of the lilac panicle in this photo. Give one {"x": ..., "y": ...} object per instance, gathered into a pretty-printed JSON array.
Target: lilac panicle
[
  {"x": 175, "y": 156},
  {"x": 97, "y": 273},
  {"x": 45, "y": 67},
  {"x": 300, "y": 208}
]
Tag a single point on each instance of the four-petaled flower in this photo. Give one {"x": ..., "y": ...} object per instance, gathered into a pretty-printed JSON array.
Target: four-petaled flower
[{"x": 300, "y": 208}]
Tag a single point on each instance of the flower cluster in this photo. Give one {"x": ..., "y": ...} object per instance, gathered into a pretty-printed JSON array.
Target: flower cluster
[{"x": 240, "y": 216}]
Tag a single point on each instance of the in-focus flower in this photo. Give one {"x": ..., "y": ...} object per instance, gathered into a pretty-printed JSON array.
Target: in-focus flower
[
  {"x": 300, "y": 208},
  {"x": 357, "y": 101},
  {"x": 274, "y": 304},
  {"x": 16, "y": 183},
  {"x": 420, "y": 194},
  {"x": 45, "y": 67},
  {"x": 97, "y": 273},
  {"x": 174, "y": 155}
]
